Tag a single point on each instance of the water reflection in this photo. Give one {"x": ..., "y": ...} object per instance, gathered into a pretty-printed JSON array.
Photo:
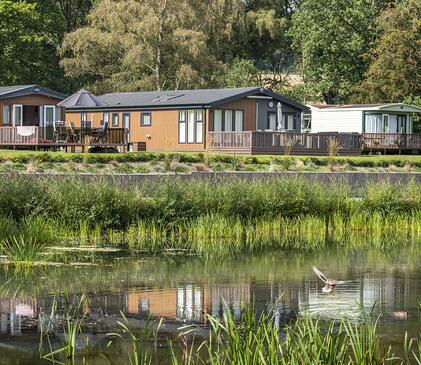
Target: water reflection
[{"x": 187, "y": 290}]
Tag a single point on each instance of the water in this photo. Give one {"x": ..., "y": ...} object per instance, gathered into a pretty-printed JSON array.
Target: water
[{"x": 185, "y": 289}]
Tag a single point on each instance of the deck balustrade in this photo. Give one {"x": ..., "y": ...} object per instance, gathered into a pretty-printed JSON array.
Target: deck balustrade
[{"x": 46, "y": 136}]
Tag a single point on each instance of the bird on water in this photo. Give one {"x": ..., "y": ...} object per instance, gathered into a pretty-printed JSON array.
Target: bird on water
[{"x": 329, "y": 283}]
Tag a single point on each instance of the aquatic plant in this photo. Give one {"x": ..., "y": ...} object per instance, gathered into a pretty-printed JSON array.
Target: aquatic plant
[
  {"x": 137, "y": 355},
  {"x": 71, "y": 328},
  {"x": 22, "y": 251}
]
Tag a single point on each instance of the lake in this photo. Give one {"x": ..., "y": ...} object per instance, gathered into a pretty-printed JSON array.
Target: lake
[{"x": 185, "y": 289}]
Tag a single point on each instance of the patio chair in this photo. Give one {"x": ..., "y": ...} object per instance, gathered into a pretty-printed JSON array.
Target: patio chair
[
  {"x": 72, "y": 134},
  {"x": 100, "y": 134},
  {"x": 59, "y": 132}
]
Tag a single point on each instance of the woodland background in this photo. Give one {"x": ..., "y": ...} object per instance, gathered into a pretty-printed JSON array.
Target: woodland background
[{"x": 333, "y": 51}]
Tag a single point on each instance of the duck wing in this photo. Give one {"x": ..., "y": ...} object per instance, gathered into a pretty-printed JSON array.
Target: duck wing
[
  {"x": 335, "y": 282},
  {"x": 319, "y": 274}
]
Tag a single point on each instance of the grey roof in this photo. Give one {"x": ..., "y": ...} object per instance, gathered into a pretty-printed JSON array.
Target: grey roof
[
  {"x": 7, "y": 92},
  {"x": 347, "y": 106},
  {"x": 185, "y": 98},
  {"x": 82, "y": 98}
]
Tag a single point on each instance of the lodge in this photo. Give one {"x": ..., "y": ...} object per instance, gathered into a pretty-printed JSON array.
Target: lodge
[{"x": 250, "y": 120}]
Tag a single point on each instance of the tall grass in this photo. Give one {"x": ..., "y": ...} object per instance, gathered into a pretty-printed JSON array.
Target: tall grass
[
  {"x": 207, "y": 216},
  {"x": 260, "y": 339}
]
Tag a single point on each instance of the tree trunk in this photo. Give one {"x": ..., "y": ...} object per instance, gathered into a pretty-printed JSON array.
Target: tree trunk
[{"x": 158, "y": 65}]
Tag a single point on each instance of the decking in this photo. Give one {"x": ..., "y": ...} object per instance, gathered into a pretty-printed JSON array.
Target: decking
[
  {"x": 277, "y": 143},
  {"x": 45, "y": 138}
]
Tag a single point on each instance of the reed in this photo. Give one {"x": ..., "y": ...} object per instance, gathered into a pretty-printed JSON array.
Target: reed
[
  {"x": 215, "y": 216},
  {"x": 261, "y": 339}
]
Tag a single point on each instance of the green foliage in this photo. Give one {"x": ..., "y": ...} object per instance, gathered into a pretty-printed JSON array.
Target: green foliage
[
  {"x": 240, "y": 73},
  {"x": 154, "y": 45},
  {"x": 21, "y": 42},
  {"x": 331, "y": 39},
  {"x": 394, "y": 71}
]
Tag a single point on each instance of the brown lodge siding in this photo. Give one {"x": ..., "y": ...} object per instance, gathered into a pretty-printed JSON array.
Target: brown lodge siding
[
  {"x": 247, "y": 105},
  {"x": 164, "y": 129},
  {"x": 163, "y": 132}
]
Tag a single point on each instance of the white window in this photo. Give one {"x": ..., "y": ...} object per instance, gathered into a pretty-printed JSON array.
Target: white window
[
  {"x": 217, "y": 120},
  {"x": 49, "y": 115},
  {"x": 409, "y": 125},
  {"x": 6, "y": 114},
  {"x": 114, "y": 119},
  {"x": 83, "y": 117},
  {"x": 190, "y": 126},
  {"x": 199, "y": 126},
  {"x": 106, "y": 117},
  {"x": 228, "y": 120},
  {"x": 272, "y": 121},
  {"x": 145, "y": 119},
  {"x": 373, "y": 123},
  {"x": 182, "y": 126},
  {"x": 290, "y": 120},
  {"x": 17, "y": 115},
  {"x": 239, "y": 120},
  {"x": 386, "y": 123}
]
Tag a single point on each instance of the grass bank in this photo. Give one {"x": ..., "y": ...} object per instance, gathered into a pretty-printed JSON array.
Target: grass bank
[
  {"x": 229, "y": 216},
  {"x": 154, "y": 162}
]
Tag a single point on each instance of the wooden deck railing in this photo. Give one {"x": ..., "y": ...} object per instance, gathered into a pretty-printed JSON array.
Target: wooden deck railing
[
  {"x": 387, "y": 141},
  {"x": 38, "y": 136},
  {"x": 279, "y": 142},
  {"x": 229, "y": 140}
]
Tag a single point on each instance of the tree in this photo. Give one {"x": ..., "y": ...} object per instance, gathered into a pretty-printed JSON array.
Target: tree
[
  {"x": 21, "y": 43},
  {"x": 331, "y": 38},
  {"x": 133, "y": 45},
  {"x": 395, "y": 70},
  {"x": 241, "y": 73}
]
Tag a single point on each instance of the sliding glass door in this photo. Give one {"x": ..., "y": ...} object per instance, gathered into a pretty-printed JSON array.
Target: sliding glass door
[{"x": 17, "y": 115}]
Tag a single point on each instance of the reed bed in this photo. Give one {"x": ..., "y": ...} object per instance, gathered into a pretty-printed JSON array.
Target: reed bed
[
  {"x": 255, "y": 338},
  {"x": 221, "y": 216}
]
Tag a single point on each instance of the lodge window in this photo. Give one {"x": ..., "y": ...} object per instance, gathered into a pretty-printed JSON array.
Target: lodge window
[
  {"x": 217, "y": 120},
  {"x": 199, "y": 126},
  {"x": 114, "y": 120},
  {"x": 106, "y": 117},
  {"x": 6, "y": 115},
  {"x": 190, "y": 126},
  {"x": 228, "y": 120},
  {"x": 83, "y": 117},
  {"x": 146, "y": 119}
]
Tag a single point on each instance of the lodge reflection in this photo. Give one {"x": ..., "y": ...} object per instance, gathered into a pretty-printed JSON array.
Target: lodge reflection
[{"x": 192, "y": 302}]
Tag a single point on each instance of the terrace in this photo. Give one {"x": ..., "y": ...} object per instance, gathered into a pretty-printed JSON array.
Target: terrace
[
  {"x": 63, "y": 136},
  {"x": 273, "y": 142}
]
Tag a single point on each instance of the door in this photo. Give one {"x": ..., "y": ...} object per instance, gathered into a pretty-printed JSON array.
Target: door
[
  {"x": 49, "y": 119},
  {"x": 126, "y": 124},
  {"x": 17, "y": 114},
  {"x": 401, "y": 123}
]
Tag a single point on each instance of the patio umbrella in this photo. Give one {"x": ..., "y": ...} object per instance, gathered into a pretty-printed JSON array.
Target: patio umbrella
[
  {"x": 81, "y": 98},
  {"x": 279, "y": 116}
]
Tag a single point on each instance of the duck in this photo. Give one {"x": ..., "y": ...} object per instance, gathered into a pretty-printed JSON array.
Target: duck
[
  {"x": 330, "y": 284},
  {"x": 400, "y": 315}
]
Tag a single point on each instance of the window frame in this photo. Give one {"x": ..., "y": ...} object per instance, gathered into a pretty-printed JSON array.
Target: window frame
[
  {"x": 198, "y": 121},
  {"x": 180, "y": 121},
  {"x": 9, "y": 114},
  {"x": 235, "y": 120},
  {"x": 106, "y": 119},
  {"x": 222, "y": 119},
  {"x": 112, "y": 119},
  {"x": 142, "y": 115},
  {"x": 193, "y": 124}
]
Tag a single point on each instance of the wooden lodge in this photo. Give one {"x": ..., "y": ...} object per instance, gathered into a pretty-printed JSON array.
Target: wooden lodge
[{"x": 249, "y": 120}]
